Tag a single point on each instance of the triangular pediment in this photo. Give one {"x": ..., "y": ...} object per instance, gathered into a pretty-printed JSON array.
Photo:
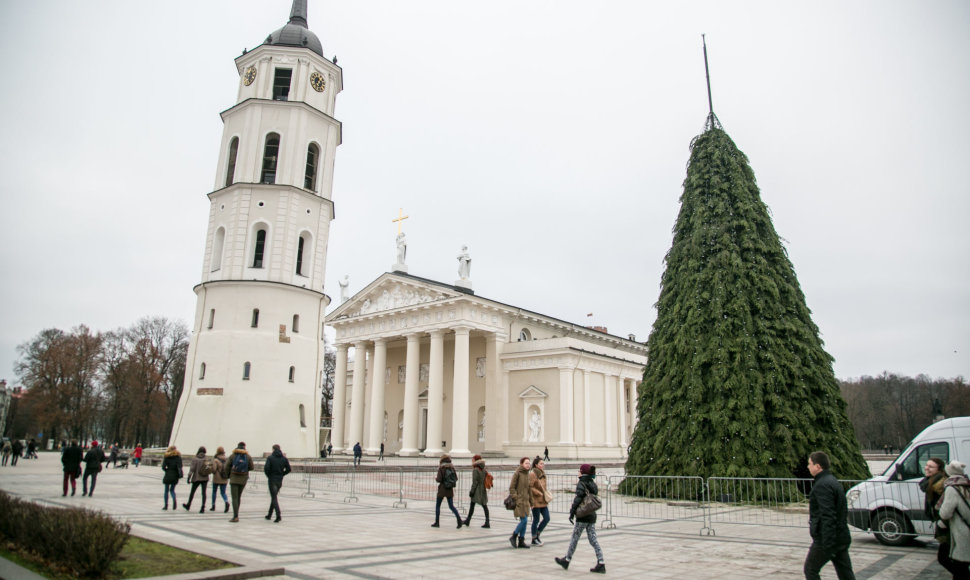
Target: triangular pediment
[
  {"x": 392, "y": 292},
  {"x": 532, "y": 393}
]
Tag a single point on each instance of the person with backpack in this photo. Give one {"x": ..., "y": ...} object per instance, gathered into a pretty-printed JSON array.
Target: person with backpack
[
  {"x": 92, "y": 467},
  {"x": 238, "y": 467},
  {"x": 172, "y": 466},
  {"x": 219, "y": 478},
  {"x": 199, "y": 471},
  {"x": 7, "y": 450},
  {"x": 275, "y": 468},
  {"x": 585, "y": 486},
  {"x": 481, "y": 483},
  {"x": 954, "y": 510},
  {"x": 447, "y": 479}
]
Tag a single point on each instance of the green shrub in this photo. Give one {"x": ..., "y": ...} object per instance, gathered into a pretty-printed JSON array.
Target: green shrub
[{"x": 82, "y": 540}]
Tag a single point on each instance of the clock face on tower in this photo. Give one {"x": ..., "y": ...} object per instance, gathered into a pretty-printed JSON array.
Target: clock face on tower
[
  {"x": 317, "y": 82},
  {"x": 249, "y": 76}
]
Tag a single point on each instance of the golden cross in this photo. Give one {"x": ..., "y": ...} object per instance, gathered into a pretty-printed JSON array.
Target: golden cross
[{"x": 400, "y": 217}]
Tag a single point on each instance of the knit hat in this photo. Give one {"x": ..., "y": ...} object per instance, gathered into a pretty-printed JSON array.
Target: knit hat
[
  {"x": 956, "y": 468},
  {"x": 587, "y": 469},
  {"x": 94, "y": 443}
]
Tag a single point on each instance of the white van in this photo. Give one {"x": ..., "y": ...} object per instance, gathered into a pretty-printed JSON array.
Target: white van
[{"x": 891, "y": 505}]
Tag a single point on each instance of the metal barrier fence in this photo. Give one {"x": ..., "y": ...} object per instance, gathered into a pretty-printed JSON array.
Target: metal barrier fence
[{"x": 707, "y": 502}]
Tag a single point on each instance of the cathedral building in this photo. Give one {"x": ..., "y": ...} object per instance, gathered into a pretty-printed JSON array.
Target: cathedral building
[
  {"x": 438, "y": 369},
  {"x": 255, "y": 359}
]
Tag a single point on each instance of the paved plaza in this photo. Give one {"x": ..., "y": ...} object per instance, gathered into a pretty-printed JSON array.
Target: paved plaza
[{"x": 327, "y": 537}]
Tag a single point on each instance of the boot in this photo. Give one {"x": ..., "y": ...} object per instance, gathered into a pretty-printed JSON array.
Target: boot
[
  {"x": 563, "y": 562},
  {"x": 467, "y": 522},
  {"x": 269, "y": 515},
  {"x": 600, "y": 568},
  {"x": 186, "y": 506},
  {"x": 435, "y": 525},
  {"x": 278, "y": 518},
  {"x": 460, "y": 523},
  {"x": 485, "y": 525},
  {"x": 522, "y": 543},
  {"x": 213, "y": 508},
  {"x": 225, "y": 511},
  {"x": 512, "y": 539}
]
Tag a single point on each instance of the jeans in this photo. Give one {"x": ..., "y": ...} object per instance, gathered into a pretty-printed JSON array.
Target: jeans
[
  {"x": 274, "y": 491},
  {"x": 451, "y": 506},
  {"x": 218, "y": 487},
  {"x": 591, "y": 535},
  {"x": 817, "y": 557},
  {"x": 196, "y": 485},
  {"x": 520, "y": 528},
  {"x": 236, "y": 489},
  {"x": 170, "y": 491},
  {"x": 84, "y": 481},
  {"x": 72, "y": 476},
  {"x": 536, "y": 526}
]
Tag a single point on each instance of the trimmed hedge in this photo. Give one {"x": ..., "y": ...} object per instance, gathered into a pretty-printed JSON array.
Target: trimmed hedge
[{"x": 81, "y": 540}]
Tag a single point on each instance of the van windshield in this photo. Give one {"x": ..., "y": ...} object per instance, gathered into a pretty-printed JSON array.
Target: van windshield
[{"x": 912, "y": 466}]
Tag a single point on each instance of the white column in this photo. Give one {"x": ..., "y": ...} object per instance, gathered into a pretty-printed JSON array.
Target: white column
[
  {"x": 609, "y": 404},
  {"x": 412, "y": 411},
  {"x": 376, "y": 435},
  {"x": 587, "y": 424},
  {"x": 339, "y": 400},
  {"x": 621, "y": 396},
  {"x": 566, "y": 405},
  {"x": 357, "y": 395},
  {"x": 459, "y": 401},
  {"x": 436, "y": 392}
]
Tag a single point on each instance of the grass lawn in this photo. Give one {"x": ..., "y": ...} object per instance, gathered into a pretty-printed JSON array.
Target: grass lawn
[{"x": 139, "y": 559}]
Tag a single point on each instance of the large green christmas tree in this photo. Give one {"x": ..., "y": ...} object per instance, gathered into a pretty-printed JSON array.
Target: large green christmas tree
[{"x": 737, "y": 383}]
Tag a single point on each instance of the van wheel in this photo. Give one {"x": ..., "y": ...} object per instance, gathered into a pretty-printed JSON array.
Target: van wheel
[{"x": 892, "y": 528}]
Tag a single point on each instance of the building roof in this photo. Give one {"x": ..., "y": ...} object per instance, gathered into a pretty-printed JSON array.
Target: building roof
[{"x": 295, "y": 32}]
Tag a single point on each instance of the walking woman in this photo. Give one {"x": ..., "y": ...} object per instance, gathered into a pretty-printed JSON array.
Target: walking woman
[
  {"x": 519, "y": 489},
  {"x": 955, "y": 514},
  {"x": 540, "y": 499},
  {"x": 71, "y": 460},
  {"x": 198, "y": 477},
  {"x": 447, "y": 479},
  {"x": 137, "y": 454},
  {"x": 585, "y": 486},
  {"x": 219, "y": 479},
  {"x": 172, "y": 466},
  {"x": 477, "y": 493},
  {"x": 239, "y": 465}
]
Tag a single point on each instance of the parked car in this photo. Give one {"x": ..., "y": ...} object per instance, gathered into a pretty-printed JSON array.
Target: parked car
[{"x": 891, "y": 505}]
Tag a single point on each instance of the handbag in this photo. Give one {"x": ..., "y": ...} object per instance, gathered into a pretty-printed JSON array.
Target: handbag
[
  {"x": 546, "y": 496},
  {"x": 589, "y": 505},
  {"x": 510, "y": 502}
]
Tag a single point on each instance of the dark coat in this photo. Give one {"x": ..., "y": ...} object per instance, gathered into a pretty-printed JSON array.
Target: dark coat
[
  {"x": 478, "y": 493},
  {"x": 17, "y": 447},
  {"x": 583, "y": 486},
  {"x": 440, "y": 478},
  {"x": 276, "y": 467},
  {"x": 71, "y": 459},
  {"x": 828, "y": 512},
  {"x": 358, "y": 451},
  {"x": 93, "y": 460},
  {"x": 172, "y": 466}
]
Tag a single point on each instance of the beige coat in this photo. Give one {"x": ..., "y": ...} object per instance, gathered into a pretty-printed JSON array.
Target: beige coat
[
  {"x": 955, "y": 505},
  {"x": 537, "y": 485}
]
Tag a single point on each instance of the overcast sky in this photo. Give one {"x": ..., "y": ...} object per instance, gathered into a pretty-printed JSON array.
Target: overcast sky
[{"x": 550, "y": 137}]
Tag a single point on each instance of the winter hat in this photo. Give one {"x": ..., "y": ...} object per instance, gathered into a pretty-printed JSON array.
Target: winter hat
[
  {"x": 94, "y": 443},
  {"x": 955, "y": 468},
  {"x": 587, "y": 469}
]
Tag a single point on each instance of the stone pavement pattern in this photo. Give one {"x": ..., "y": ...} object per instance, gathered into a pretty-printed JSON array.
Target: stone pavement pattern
[{"x": 326, "y": 537}]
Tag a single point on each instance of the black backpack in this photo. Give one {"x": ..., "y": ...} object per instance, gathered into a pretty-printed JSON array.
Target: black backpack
[{"x": 450, "y": 479}]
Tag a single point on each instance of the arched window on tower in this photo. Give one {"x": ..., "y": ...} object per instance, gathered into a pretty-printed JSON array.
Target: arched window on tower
[
  {"x": 246, "y": 368},
  {"x": 302, "y": 416},
  {"x": 259, "y": 247},
  {"x": 202, "y": 371},
  {"x": 255, "y": 322},
  {"x": 292, "y": 374},
  {"x": 270, "y": 152},
  {"x": 296, "y": 323},
  {"x": 300, "y": 247},
  {"x": 310, "y": 177},
  {"x": 217, "y": 246},
  {"x": 231, "y": 164}
]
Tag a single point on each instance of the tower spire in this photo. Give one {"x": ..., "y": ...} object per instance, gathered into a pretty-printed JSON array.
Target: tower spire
[{"x": 298, "y": 13}]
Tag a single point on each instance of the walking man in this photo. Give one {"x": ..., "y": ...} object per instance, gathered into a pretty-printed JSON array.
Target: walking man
[
  {"x": 275, "y": 468},
  {"x": 827, "y": 522},
  {"x": 381, "y": 457},
  {"x": 238, "y": 467},
  {"x": 358, "y": 453}
]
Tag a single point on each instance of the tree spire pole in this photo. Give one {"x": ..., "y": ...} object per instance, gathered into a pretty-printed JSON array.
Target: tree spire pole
[{"x": 707, "y": 73}]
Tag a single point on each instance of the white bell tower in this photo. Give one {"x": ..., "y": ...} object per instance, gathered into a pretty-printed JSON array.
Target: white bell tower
[{"x": 253, "y": 371}]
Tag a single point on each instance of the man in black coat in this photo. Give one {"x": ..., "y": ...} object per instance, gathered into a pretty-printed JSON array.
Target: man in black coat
[
  {"x": 275, "y": 468},
  {"x": 827, "y": 522},
  {"x": 71, "y": 460}
]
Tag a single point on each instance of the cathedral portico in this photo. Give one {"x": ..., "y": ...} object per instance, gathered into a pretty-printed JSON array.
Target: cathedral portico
[{"x": 435, "y": 370}]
